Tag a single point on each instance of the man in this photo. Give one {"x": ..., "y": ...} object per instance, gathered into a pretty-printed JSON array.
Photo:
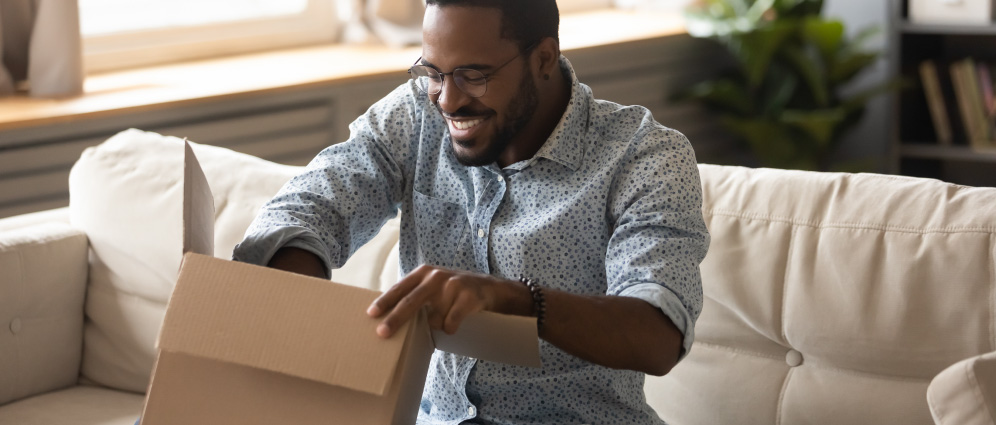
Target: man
[{"x": 504, "y": 166}]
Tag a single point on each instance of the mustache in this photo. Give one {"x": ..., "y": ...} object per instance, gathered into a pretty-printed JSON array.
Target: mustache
[{"x": 464, "y": 112}]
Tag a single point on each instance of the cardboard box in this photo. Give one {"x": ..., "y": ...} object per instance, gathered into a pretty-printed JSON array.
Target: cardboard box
[{"x": 251, "y": 345}]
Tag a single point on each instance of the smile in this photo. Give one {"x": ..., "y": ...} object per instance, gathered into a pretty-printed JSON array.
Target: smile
[{"x": 466, "y": 125}]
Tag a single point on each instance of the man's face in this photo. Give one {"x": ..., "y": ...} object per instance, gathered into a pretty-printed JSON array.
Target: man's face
[{"x": 469, "y": 37}]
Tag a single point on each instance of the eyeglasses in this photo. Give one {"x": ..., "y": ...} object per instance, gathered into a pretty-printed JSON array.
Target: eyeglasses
[{"x": 470, "y": 81}]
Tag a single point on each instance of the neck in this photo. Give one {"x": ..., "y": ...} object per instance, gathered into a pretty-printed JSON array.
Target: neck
[{"x": 553, "y": 96}]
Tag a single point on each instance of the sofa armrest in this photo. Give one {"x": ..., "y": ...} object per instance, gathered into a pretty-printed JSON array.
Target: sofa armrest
[
  {"x": 58, "y": 215},
  {"x": 43, "y": 272},
  {"x": 965, "y": 392}
]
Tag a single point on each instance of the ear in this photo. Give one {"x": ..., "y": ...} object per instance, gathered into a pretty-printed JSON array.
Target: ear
[{"x": 547, "y": 55}]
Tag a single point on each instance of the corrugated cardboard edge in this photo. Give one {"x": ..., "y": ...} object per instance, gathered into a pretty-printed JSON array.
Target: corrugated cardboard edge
[
  {"x": 412, "y": 372},
  {"x": 198, "y": 206}
]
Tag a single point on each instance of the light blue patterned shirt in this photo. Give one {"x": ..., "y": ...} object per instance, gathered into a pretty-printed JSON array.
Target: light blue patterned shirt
[{"x": 611, "y": 204}]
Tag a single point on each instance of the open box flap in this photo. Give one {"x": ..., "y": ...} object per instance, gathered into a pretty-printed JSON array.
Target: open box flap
[
  {"x": 198, "y": 206},
  {"x": 494, "y": 337},
  {"x": 279, "y": 321}
]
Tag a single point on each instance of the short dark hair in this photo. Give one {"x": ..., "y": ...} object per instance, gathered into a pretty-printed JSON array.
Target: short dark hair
[{"x": 525, "y": 22}]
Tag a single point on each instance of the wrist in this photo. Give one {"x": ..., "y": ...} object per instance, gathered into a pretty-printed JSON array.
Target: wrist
[
  {"x": 538, "y": 298},
  {"x": 514, "y": 298}
]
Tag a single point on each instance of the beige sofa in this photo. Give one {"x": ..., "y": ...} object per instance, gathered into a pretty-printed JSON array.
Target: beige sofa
[{"x": 830, "y": 298}]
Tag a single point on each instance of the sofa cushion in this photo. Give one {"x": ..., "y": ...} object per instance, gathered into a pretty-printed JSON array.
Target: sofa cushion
[
  {"x": 126, "y": 194},
  {"x": 833, "y": 298},
  {"x": 965, "y": 393},
  {"x": 78, "y": 405},
  {"x": 42, "y": 283}
]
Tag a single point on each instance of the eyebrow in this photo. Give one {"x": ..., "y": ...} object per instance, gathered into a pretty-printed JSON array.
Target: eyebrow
[{"x": 476, "y": 66}]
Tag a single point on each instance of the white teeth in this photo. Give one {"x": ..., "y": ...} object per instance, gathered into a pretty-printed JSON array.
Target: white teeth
[{"x": 463, "y": 125}]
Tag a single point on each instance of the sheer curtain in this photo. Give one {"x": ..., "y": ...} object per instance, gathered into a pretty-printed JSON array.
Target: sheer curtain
[
  {"x": 393, "y": 22},
  {"x": 40, "y": 48}
]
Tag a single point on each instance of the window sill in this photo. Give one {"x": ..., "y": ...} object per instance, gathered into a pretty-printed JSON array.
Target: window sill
[{"x": 184, "y": 84}]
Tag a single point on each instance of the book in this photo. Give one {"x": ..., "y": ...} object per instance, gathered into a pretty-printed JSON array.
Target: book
[
  {"x": 970, "y": 104},
  {"x": 964, "y": 109},
  {"x": 988, "y": 97},
  {"x": 980, "y": 114},
  {"x": 935, "y": 102}
]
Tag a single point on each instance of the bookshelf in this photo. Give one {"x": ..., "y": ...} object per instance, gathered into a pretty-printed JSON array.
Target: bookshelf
[{"x": 916, "y": 148}]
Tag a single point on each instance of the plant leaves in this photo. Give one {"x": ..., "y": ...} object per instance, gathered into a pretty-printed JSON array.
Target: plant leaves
[
  {"x": 818, "y": 124},
  {"x": 848, "y": 65},
  {"x": 826, "y": 35},
  {"x": 756, "y": 48},
  {"x": 811, "y": 71},
  {"x": 724, "y": 93}
]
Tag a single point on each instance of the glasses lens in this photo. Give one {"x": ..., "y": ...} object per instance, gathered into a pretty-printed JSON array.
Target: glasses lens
[
  {"x": 426, "y": 79},
  {"x": 471, "y": 81}
]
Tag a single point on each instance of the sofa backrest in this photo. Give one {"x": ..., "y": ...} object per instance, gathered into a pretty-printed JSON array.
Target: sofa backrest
[
  {"x": 833, "y": 298},
  {"x": 126, "y": 195}
]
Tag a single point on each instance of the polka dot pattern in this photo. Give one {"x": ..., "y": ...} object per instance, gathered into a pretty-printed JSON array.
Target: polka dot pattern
[{"x": 611, "y": 204}]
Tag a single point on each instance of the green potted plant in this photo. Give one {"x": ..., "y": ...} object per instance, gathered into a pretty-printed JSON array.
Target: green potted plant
[{"x": 782, "y": 96}]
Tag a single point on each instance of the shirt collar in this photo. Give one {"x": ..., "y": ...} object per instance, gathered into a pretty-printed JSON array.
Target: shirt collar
[{"x": 564, "y": 144}]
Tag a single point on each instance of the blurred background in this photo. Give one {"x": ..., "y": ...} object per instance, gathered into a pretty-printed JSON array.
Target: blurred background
[{"x": 885, "y": 86}]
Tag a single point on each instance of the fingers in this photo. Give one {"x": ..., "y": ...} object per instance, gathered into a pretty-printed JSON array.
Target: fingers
[
  {"x": 464, "y": 305},
  {"x": 426, "y": 290},
  {"x": 450, "y": 297},
  {"x": 386, "y": 301}
]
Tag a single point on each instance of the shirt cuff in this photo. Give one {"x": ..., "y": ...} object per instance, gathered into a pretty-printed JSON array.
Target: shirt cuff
[
  {"x": 670, "y": 305},
  {"x": 259, "y": 247}
]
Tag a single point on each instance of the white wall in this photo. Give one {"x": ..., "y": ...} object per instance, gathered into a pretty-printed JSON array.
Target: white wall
[{"x": 871, "y": 137}]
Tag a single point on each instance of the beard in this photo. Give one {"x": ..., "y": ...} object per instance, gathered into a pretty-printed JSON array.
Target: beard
[{"x": 518, "y": 113}]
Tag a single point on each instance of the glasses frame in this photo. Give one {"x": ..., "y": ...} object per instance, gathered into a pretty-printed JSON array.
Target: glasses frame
[{"x": 443, "y": 75}]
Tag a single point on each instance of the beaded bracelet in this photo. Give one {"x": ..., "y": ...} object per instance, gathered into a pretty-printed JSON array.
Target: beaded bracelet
[{"x": 539, "y": 303}]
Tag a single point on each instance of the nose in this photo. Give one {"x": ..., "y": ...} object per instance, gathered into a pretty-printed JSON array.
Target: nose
[{"x": 450, "y": 98}]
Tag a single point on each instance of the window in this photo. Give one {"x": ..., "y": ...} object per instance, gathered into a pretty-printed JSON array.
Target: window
[
  {"x": 125, "y": 33},
  {"x": 568, "y": 6},
  {"x": 128, "y": 33}
]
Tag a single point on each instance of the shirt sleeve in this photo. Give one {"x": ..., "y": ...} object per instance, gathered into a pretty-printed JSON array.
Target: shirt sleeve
[
  {"x": 346, "y": 193},
  {"x": 659, "y": 237}
]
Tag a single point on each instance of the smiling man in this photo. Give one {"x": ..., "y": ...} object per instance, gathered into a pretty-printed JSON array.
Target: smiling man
[{"x": 519, "y": 193}]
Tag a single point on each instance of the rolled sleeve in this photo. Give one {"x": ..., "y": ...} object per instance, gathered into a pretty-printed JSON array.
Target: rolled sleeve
[
  {"x": 259, "y": 246},
  {"x": 671, "y": 306}
]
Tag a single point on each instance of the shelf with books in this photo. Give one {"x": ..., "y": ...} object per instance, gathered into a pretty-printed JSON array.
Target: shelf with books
[
  {"x": 918, "y": 28},
  {"x": 945, "y": 121},
  {"x": 951, "y": 153}
]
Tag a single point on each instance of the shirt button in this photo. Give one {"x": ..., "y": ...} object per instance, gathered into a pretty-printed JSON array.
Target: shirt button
[
  {"x": 472, "y": 411},
  {"x": 500, "y": 178},
  {"x": 480, "y": 233},
  {"x": 15, "y": 325}
]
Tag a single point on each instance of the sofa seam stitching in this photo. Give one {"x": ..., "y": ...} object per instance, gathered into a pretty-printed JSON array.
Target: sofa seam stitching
[
  {"x": 846, "y": 225},
  {"x": 938, "y": 413},
  {"x": 781, "y": 396},
  {"x": 818, "y": 364},
  {"x": 736, "y": 350},
  {"x": 785, "y": 273},
  {"x": 976, "y": 387}
]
